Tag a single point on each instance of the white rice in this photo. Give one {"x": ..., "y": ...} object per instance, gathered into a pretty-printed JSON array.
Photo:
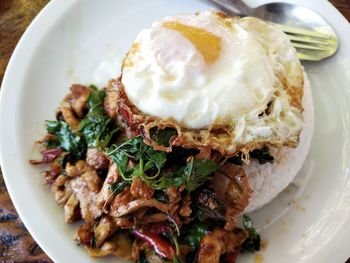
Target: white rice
[{"x": 268, "y": 180}]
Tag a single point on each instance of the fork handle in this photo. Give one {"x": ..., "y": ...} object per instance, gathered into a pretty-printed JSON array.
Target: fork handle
[{"x": 235, "y": 7}]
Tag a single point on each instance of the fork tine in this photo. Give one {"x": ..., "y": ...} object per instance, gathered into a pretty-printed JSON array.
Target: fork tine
[
  {"x": 310, "y": 40},
  {"x": 302, "y": 31},
  {"x": 311, "y": 47}
]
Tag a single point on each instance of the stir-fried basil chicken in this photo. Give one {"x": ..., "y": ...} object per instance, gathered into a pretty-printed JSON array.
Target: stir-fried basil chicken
[{"x": 138, "y": 200}]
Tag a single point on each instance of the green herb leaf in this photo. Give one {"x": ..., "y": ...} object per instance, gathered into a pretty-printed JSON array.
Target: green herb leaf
[
  {"x": 52, "y": 143},
  {"x": 120, "y": 155},
  {"x": 149, "y": 162},
  {"x": 95, "y": 101},
  {"x": 97, "y": 128},
  {"x": 237, "y": 159},
  {"x": 193, "y": 233},
  {"x": 146, "y": 158},
  {"x": 157, "y": 158},
  {"x": 69, "y": 141},
  {"x": 262, "y": 155},
  {"x": 171, "y": 180},
  {"x": 161, "y": 196},
  {"x": 178, "y": 260},
  {"x": 142, "y": 258},
  {"x": 197, "y": 172},
  {"x": 63, "y": 160},
  {"x": 117, "y": 188},
  {"x": 252, "y": 243},
  {"x": 192, "y": 175},
  {"x": 162, "y": 136},
  {"x": 93, "y": 86}
]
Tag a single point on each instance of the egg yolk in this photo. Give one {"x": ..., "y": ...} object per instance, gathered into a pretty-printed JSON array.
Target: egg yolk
[{"x": 205, "y": 42}]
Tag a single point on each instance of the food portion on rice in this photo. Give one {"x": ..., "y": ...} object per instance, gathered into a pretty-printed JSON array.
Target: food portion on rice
[{"x": 161, "y": 164}]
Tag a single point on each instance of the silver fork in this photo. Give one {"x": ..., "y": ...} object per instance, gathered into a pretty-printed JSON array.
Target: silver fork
[{"x": 313, "y": 38}]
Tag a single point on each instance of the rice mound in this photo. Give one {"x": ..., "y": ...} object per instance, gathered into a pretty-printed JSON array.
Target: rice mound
[{"x": 268, "y": 180}]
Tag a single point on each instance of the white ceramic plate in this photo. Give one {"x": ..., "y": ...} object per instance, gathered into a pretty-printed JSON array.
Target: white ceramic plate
[{"x": 84, "y": 41}]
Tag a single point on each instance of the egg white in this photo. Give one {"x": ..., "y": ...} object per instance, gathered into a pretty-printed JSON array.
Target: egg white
[{"x": 165, "y": 75}]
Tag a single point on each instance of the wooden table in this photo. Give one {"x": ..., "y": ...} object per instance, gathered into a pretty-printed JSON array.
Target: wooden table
[{"x": 16, "y": 244}]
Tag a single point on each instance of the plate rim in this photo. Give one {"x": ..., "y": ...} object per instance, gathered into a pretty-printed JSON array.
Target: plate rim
[{"x": 51, "y": 12}]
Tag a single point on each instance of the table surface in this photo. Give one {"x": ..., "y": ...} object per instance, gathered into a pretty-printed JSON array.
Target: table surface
[{"x": 16, "y": 244}]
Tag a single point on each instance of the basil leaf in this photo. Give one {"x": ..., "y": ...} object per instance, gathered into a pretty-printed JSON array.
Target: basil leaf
[
  {"x": 198, "y": 172},
  {"x": 237, "y": 159},
  {"x": 146, "y": 158},
  {"x": 193, "y": 233},
  {"x": 158, "y": 158},
  {"x": 117, "y": 188},
  {"x": 52, "y": 143},
  {"x": 120, "y": 158},
  {"x": 95, "y": 101},
  {"x": 162, "y": 136},
  {"x": 252, "y": 243},
  {"x": 192, "y": 175},
  {"x": 171, "y": 180},
  {"x": 149, "y": 162},
  {"x": 69, "y": 141},
  {"x": 93, "y": 86},
  {"x": 161, "y": 196},
  {"x": 262, "y": 155},
  {"x": 97, "y": 128}
]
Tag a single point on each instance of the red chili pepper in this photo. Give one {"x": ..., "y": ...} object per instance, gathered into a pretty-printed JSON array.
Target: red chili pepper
[
  {"x": 48, "y": 156},
  {"x": 232, "y": 256},
  {"x": 161, "y": 246},
  {"x": 125, "y": 114},
  {"x": 159, "y": 228}
]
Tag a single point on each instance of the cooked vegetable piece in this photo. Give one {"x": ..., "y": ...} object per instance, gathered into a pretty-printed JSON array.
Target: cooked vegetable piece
[
  {"x": 51, "y": 143},
  {"x": 93, "y": 86},
  {"x": 69, "y": 141},
  {"x": 97, "y": 128},
  {"x": 160, "y": 245},
  {"x": 229, "y": 257},
  {"x": 48, "y": 156},
  {"x": 177, "y": 180},
  {"x": 148, "y": 159},
  {"x": 169, "y": 180},
  {"x": 162, "y": 136},
  {"x": 197, "y": 172},
  {"x": 95, "y": 101},
  {"x": 117, "y": 188},
  {"x": 252, "y": 243},
  {"x": 192, "y": 234},
  {"x": 142, "y": 259},
  {"x": 262, "y": 155},
  {"x": 237, "y": 159},
  {"x": 161, "y": 196},
  {"x": 192, "y": 175}
]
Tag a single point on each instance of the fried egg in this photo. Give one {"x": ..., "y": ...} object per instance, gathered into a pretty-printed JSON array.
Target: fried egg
[{"x": 231, "y": 83}]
